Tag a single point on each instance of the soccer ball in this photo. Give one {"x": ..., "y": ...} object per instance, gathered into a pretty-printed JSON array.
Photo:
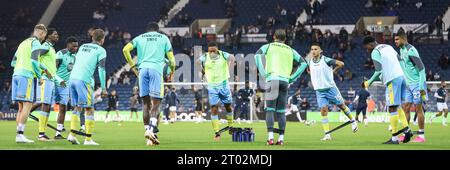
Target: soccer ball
[{"x": 307, "y": 123}]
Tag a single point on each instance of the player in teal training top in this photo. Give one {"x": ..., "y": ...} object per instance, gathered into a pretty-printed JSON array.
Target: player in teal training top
[
  {"x": 388, "y": 69},
  {"x": 416, "y": 87},
  {"x": 89, "y": 57},
  {"x": 152, "y": 49},
  {"x": 65, "y": 60}
]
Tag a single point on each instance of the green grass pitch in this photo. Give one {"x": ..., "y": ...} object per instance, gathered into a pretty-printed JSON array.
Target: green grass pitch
[{"x": 189, "y": 135}]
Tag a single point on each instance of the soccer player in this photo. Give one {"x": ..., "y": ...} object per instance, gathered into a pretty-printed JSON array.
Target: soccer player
[
  {"x": 280, "y": 61},
  {"x": 46, "y": 85},
  {"x": 134, "y": 100},
  {"x": 113, "y": 102},
  {"x": 152, "y": 47},
  {"x": 89, "y": 57},
  {"x": 245, "y": 94},
  {"x": 304, "y": 106},
  {"x": 26, "y": 68},
  {"x": 165, "y": 115},
  {"x": 388, "y": 68},
  {"x": 198, "y": 104},
  {"x": 172, "y": 99},
  {"x": 440, "y": 95},
  {"x": 293, "y": 103},
  {"x": 215, "y": 64},
  {"x": 321, "y": 70},
  {"x": 362, "y": 97},
  {"x": 237, "y": 104},
  {"x": 65, "y": 60},
  {"x": 416, "y": 87}
]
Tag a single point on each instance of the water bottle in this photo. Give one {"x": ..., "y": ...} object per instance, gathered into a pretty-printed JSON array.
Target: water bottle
[
  {"x": 245, "y": 136},
  {"x": 239, "y": 135},
  {"x": 252, "y": 135},
  {"x": 233, "y": 136}
]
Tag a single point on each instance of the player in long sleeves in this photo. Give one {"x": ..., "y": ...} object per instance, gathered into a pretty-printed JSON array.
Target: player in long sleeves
[
  {"x": 245, "y": 95},
  {"x": 113, "y": 103},
  {"x": 26, "y": 68},
  {"x": 215, "y": 64},
  {"x": 152, "y": 49},
  {"x": 134, "y": 101},
  {"x": 322, "y": 69},
  {"x": 64, "y": 63},
  {"x": 442, "y": 107},
  {"x": 280, "y": 62},
  {"x": 387, "y": 67},
  {"x": 198, "y": 104},
  {"x": 293, "y": 103},
  {"x": 89, "y": 57},
  {"x": 172, "y": 100},
  {"x": 416, "y": 87},
  {"x": 362, "y": 97}
]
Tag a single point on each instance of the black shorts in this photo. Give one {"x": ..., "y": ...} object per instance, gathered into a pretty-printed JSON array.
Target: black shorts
[
  {"x": 133, "y": 109},
  {"x": 199, "y": 107},
  {"x": 276, "y": 96},
  {"x": 361, "y": 108},
  {"x": 111, "y": 108}
]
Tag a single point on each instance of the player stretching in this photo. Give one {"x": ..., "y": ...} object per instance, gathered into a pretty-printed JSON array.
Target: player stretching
[
  {"x": 280, "y": 61},
  {"x": 440, "y": 95},
  {"x": 46, "y": 85},
  {"x": 26, "y": 67},
  {"x": 321, "y": 69},
  {"x": 65, "y": 60},
  {"x": 388, "y": 68},
  {"x": 90, "y": 56},
  {"x": 215, "y": 65},
  {"x": 416, "y": 89},
  {"x": 152, "y": 47},
  {"x": 362, "y": 97}
]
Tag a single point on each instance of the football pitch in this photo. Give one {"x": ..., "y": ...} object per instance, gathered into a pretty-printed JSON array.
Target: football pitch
[{"x": 192, "y": 136}]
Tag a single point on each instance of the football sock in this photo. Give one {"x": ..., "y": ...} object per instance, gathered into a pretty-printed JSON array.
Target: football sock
[
  {"x": 43, "y": 118},
  {"x": 325, "y": 124},
  {"x": 281, "y": 123},
  {"x": 394, "y": 122},
  {"x": 215, "y": 122},
  {"x": 20, "y": 128},
  {"x": 402, "y": 117},
  {"x": 230, "y": 118},
  {"x": 74, "y": 121},
  {"x": 89, "y": 126},
  {"x": 59, "y": 128},
  {"x": 347, "y": 113}
]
